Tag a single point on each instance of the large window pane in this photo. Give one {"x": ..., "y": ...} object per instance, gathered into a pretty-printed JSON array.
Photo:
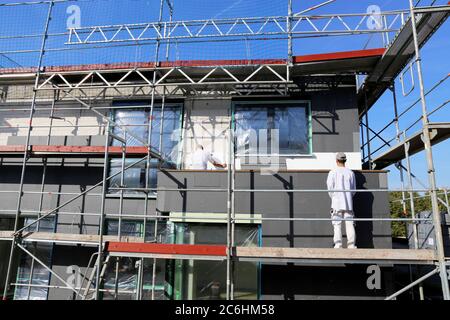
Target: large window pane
[
  {"x": 292, "y": 123},
  {"x": 206, "y": 280},
  {"x": 291, "y": 120},
  {"x": 249, "y": 121},
  {"x": 165, "y": 141},
  {"x": 31, "y": 272},
  {"x": 136, "y": 123},
  {"x": 127, "y": 268}
]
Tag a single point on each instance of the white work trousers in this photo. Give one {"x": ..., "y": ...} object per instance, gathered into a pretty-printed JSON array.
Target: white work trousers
[{"x": 337, "y": 217}]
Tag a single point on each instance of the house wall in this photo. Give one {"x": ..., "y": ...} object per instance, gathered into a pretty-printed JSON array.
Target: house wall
[
  {"x": 300, "y": 234},
  {"x": 334, "y": 126},
  {"x": 281, "y": 280}
]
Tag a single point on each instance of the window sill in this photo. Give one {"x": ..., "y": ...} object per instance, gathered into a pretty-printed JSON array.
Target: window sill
[
  {"x": 130, "y": 196},
  {"x": 297, "y": 155}
]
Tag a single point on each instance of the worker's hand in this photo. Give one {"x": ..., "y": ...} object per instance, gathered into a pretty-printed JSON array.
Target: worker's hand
[{"x": 220, "y": 165}]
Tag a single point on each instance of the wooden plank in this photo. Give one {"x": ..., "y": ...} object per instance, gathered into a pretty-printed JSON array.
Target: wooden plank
[
  {"x": 66, "y": 151},
  {"x": 66, "y": 237},
  {"x": 336, "y": 254},
  {"x": 134, "y": 246}
]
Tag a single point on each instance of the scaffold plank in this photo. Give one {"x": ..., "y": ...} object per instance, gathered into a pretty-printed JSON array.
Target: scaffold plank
[
  {"x": 440, "y": 131},
  {"x": 134, "y": 247},
  {"x": 65, "y": 237},
  {"x": 396, "y": 256},
  {"x": 70, "y": 151},
  {"x": 399, "y": 53}
]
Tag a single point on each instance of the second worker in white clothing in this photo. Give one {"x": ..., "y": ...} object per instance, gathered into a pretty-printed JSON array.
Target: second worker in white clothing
[
  {"x": 342, "y": 178},
  {"x": 200, "y": 159}
]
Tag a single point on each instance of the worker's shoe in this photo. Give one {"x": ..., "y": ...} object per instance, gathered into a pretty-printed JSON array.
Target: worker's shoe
[
  {"x": 351, "y": 246},
  {"x": 338, "y": 246}
]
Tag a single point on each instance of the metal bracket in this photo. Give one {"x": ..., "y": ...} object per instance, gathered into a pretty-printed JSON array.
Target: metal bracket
[
  {"x": 410, "y": 69},
  {"x": 407, "y": 146},
  {"x": 433, "y": 134}
]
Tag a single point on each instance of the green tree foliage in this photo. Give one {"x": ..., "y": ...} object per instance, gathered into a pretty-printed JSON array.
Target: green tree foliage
[{"x": 422, "y": 202}]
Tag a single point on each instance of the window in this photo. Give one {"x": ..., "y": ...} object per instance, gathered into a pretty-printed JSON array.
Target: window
[
  {"x": 128, "y": 268},
  {"x": 291, "y": 119},
  {"x": 206, "y": 280},
  {"x": 32, "y": 273},
  {"x": 164, "y": 140},
  {"x": 130, "y": 228}
]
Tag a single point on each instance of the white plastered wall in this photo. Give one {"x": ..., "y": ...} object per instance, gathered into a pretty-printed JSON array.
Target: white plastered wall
[
  {"x": 14, "y": 122},
  {"x": 207, "y": 123}
]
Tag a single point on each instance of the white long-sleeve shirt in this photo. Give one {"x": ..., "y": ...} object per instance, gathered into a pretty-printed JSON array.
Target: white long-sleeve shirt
[
  {"x": 341, "y": 179},
  {"x": 200, "y": 159}
]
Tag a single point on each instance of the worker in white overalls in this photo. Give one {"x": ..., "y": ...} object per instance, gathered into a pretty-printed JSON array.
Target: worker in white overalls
[
  {"x": 200, "y": 159},
  {"x": 342, "y": 178}
]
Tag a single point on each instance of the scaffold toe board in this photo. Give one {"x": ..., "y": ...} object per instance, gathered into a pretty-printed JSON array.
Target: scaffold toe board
[{"x": 167, "y": 251}]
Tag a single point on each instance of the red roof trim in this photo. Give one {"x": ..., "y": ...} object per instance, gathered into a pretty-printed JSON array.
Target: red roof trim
[
  {"x": 340, "y": 55},
  {"x": 172, "y": 249},
  {"x": 204, "y": 63}
]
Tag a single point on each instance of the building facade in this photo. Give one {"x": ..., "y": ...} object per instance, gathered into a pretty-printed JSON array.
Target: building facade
[{"x": 311, "y": 126}]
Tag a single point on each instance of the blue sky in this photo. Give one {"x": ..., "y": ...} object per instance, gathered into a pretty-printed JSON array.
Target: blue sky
[{"x": 29, "y": 20}]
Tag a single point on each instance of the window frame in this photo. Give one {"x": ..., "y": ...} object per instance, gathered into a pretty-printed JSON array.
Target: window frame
[{"x": 259, "y": 103}]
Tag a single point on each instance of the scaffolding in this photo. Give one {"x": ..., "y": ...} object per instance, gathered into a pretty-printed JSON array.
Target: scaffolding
[{"x": 260, "y": 77}]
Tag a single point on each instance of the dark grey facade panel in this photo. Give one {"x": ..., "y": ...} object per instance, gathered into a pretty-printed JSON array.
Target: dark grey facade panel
[
  {"x": 67, "y": 259},
  {"x": 334, "y": 121},
  {"x": 281, "y": 204},
  {"x": 72, "y": 180},
  {"x": 291, "y": 282}
]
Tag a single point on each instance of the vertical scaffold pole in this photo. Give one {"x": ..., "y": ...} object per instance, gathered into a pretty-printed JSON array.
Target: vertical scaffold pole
[
  {"x": 233, "y": 206},
  {"x": 102, "y": 215},
  {"x": 400, "y": 169},
  {"x": 366, "y": 116},
  {"x": 431, "y": 170},
  {"x": 27, "y": 144},
  {"x": 148, "y": 162},
  {"x": 410, "y": 185},
  {"x": 41, "y": 194},
  {"x": 412, "y": 206},
  {"x": 290, "y": 43},
  {"x": 229, "y": 213},
  {"x": 121, "y": 200}
]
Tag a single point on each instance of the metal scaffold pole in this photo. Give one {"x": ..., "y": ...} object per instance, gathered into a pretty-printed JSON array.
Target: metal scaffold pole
[
  {"x": 229, "y": 261},
  {"x": 431, "y": 170},
  {"x": 410, "y": 186},
  {"x": 366, "y": 116},
  {"x": 290, "y": 40},
  {"x": 25, "y": 155},
  {"x": 102, "y": 216}
]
